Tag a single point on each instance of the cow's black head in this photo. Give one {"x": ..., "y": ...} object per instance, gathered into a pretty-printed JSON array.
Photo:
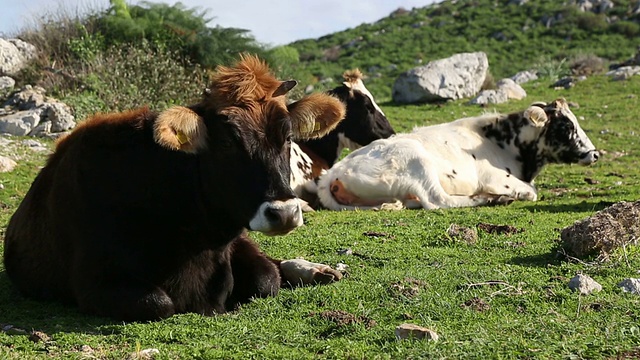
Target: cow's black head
[
  {"x": 363, "y": 123},
  {"x": 241, "y": 133},
  {"x": 562, "y": 139}
]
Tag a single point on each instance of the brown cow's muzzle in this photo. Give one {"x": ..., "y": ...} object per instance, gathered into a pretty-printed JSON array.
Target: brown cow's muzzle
[{"x": 277, "y": 217}]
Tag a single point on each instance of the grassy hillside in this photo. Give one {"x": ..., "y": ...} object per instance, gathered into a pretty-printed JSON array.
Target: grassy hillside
[
  {"x": 515, "y": 38},
  {"x": 404, "y": 268}
]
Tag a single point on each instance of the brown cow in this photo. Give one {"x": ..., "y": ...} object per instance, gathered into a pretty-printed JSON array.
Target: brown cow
[{"x": 139, "y": 215}]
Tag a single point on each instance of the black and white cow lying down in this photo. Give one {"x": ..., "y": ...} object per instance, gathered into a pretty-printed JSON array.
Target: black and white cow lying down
[
  {"x": 363, "y": 123},
  {"x": 489, "y": 159}
]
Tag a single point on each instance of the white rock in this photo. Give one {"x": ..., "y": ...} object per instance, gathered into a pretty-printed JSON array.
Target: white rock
[
  {"x": 623, "y": 72},
  {"x": 412, "y": 331},
  {"x": 525, "y": 76},
  {"x": 6, "y": 83},
  {"x": 459, "y": 76},
  {"x": 14, "y": 55},
  {"x": 584, "y": 284},
  {"x": 630, "y": 285},
  {"x": 20, "y": 123},
  {"x": 490, "y": 97},
  {"x": 6, "y": 164},
  {"x": 146, "y": 354},
  {"x": 512, "y": 89}
]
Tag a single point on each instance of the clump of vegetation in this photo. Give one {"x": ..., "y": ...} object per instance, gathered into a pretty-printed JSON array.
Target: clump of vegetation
[
  {"x": 515, "y": 37},
  {"x": 128, "y": 56}
]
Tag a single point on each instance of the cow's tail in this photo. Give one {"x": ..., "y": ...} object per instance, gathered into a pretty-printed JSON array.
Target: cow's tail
[{"x": 325, "y": 195}]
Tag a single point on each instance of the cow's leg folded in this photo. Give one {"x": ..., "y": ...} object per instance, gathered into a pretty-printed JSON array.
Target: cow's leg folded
[
  {"x": 127, "y": 300},
  {"x": 302, "y": 272},
  {"x": 254, "y": 274}
]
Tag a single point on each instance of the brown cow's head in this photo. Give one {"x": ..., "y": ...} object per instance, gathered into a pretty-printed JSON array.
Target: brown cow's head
[{"x": 242, "y": 132}]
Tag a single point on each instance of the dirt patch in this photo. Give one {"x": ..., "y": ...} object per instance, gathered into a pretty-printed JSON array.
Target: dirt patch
[
  {"x": 462, "y": 233},
  {"x": 602, "y": 233},
  {"x": 631, "y": 354},
  {"x": 343, "y": 318},
  {"x": 476, "y": 304},
  {"x": 499, "y": 229},
  {"x": 591, "y": 181},
  {"x": 408, "y": 287},
  {"x": 376, "y": 234}
]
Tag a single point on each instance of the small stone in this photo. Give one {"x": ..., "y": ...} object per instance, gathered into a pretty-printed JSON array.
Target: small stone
[
  {"x": 630, "y": 285},
  {"x": 6, "y": 164},
  {"x": 412, "y": 331},
  {"x": 584, "y": 284},
  {"x": 346, "y": 251},
  {"x": 146, "y": 354},
  {"x": 39, "y": 336},
  {"x": 11, "y": 330},
  {"x": 342, "y": 267}
]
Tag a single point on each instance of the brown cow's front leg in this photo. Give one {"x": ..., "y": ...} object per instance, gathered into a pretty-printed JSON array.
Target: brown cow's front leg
[
  {"x": 303, "y": 272},
  {"x": 254, "y": 274},
  {"x": 126, "y": 300}
]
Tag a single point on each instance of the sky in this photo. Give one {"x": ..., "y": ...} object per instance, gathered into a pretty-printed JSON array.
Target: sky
[{"x": 273, "y": 22}]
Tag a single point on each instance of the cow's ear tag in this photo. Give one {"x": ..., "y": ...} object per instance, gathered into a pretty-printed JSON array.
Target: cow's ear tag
[
  {"x": 536, "y": 115},
  {"x": 180, "y": 129},
  {"x": 315, "y": 115},
  {"x": 182, "y": 138}
]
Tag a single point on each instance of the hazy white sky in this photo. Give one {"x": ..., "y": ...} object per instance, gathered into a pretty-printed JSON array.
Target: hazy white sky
[{"x": 274, "y": 22}]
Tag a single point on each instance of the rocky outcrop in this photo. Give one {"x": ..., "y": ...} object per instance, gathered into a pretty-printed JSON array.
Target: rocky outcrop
[
  {"x": 15, "y": 55},
  {"x": 457, "y": 77},
  {"x": 29, "y": 112}
]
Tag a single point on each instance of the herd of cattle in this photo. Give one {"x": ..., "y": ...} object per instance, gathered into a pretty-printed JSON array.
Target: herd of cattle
[{"x": 142, "y": 215}]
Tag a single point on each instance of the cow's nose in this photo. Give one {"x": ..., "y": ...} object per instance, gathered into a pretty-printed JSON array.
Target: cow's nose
[
  {"x": 591, "y": 157},
  {"x": 277, "y": 217}
]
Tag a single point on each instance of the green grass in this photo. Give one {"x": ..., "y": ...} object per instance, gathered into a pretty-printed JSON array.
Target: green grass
[{"x": 531, "y": 313}]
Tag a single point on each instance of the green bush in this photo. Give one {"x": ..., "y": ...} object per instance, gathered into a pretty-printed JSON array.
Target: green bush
[
  {"x": 123, "y": 78},
  {"x": 177, "y": 28},
  {"x": 627, "y": 28}
]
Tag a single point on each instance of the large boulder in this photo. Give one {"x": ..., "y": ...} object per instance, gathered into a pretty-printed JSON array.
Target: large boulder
[
  {"x": 15, "y": 55},
  {"x": 457, "y": 77}
]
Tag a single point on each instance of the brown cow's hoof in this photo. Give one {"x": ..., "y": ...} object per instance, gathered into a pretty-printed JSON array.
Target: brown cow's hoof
[{"x": 303, "y": 272}]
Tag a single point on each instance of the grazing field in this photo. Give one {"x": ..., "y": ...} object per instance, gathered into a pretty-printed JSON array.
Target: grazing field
[{"x": 502, "y": 296}]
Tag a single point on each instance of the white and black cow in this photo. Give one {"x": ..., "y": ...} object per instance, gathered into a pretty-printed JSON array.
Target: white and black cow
[
  {"x": 492, "y": 158},
  {"x": 364, "y": 122}
]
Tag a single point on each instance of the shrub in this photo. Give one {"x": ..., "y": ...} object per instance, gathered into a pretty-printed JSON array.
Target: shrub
[
  {"x": 627, "y": 28},
  {"x": 129, "y": 77},
  {"x": 547, "y": 67},
  {"x": 177, "y": 28},
  {"x": 587, "y": 64}
]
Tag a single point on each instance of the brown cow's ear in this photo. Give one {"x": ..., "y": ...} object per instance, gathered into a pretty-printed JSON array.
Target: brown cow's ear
[
  {"x": 284, "y": 88},
  {"x": 315, "y": 115},
  {"x": 180, "y": 129}
]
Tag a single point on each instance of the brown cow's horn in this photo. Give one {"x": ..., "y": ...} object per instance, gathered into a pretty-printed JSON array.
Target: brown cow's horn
[{"x": 284, "y": 87}]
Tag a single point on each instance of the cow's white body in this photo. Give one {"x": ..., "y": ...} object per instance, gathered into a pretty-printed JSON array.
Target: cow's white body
[
  {"x": 364, "y": 122},
  {"x": 442, "y": 166}
]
